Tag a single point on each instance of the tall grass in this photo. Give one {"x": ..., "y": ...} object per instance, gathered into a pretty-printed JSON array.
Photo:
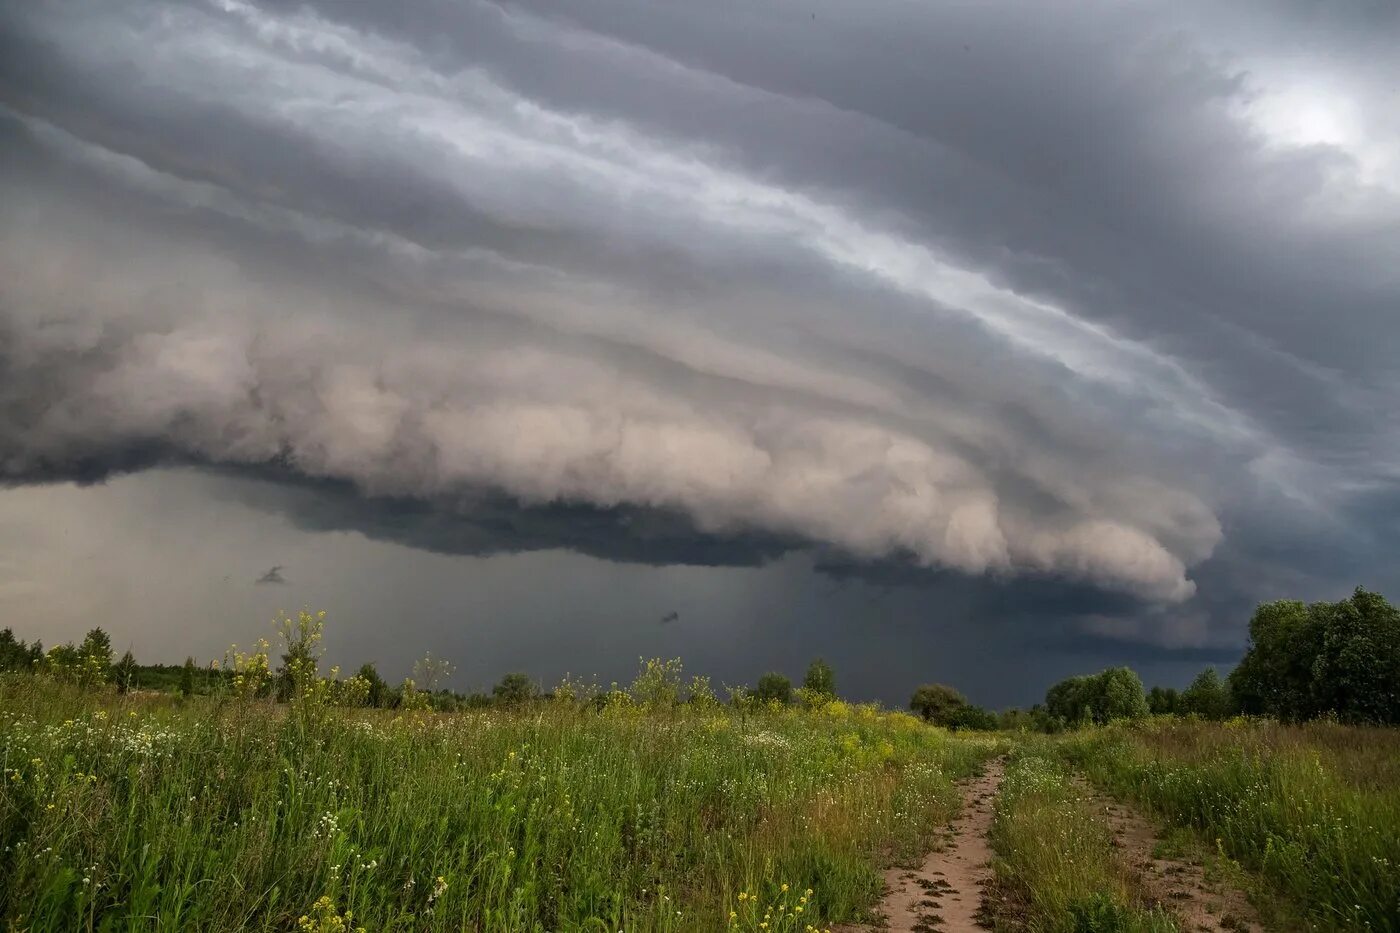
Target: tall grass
[
  {"x": 134, "y": 814},
  {"x": 1056, "y": 863},
  {"x": 1314, "y": 815}
]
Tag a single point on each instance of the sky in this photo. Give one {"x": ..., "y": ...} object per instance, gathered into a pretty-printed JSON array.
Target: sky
[{"x": 972, "y": 342}]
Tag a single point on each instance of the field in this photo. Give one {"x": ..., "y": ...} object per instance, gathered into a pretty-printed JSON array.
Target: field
[
  {"x": 1311, "y": 812},
  {"x": 152, "y": 812}
]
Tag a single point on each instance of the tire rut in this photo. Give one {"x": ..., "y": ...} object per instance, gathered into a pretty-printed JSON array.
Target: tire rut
[
  {"x": 1200, "y": 904},
  {"x": 945, "y": 893}
]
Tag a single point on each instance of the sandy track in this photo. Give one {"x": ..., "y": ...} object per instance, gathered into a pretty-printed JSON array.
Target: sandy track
[
  {"x": 945, "y": 893},
  {"x": 1180, "y": 886}
]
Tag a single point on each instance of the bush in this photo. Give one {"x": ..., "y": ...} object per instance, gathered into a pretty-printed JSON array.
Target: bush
[
  {"x": 935, "y": 702},
  {"x": 773, "y": 688},
  {"x": 514, "y": 689}
]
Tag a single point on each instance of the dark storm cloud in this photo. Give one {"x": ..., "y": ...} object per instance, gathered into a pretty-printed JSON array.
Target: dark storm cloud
[
  {"x": 483, "y": 522},
  {"x": 1086, "y": 311}
]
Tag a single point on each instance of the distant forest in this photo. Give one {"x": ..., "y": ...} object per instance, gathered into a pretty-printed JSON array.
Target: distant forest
[{"x": 1304, "y": 661}]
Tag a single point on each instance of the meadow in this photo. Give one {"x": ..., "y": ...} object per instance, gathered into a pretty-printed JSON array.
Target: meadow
[
  {"x": 248, "y": 797},
  {"x": 143, "y": 813},
  {"x": 1311, "y": 813}
]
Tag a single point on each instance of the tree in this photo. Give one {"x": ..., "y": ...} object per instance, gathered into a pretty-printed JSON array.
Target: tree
[
  {"x": 820, "y": 679},
  {"x": 513, "y": 690},
  {"x": 1207, "y": 697},
  {"x": 1356, "y": 673},
  {"x": 1340, "y": 659},
  {"x": 975, "y": 718},
  {"x": 125, "y": 672},
  {"x": 937, "y": 703},
  {"x": 187, "y": 678},
  {"x": 94, "y": 658},
  {"x": 1274, "y": 677},
  {"x": 1016, "y": 719},
  {"x": 1115, "y": 693},
  {"x": 63, "y": 661},
  {"x": 773, "y": 686},
  {"x": 14, "y": 654},
  {"x": 1163, "y": 701},
  {"x": 378, "y": 689},
  {"x": 1123, "y": 696}
]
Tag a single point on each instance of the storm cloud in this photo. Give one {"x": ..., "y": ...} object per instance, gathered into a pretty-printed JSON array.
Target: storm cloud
[{"x": 1089, "y": 297}]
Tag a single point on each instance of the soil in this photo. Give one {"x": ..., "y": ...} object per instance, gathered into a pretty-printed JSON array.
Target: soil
[
  {"x": 1201, "y": 904},
  {"x": 945, "y": 893}
]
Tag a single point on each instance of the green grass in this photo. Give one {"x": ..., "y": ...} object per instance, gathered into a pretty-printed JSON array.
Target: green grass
[
  {"x": 138, "y": 813},
  {"x": 1314, "y": 811},
  {"x": 1055, "y": 860}
]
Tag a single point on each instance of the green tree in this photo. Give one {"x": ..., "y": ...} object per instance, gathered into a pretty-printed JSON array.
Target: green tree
[
  {"x": 773, "y": 686},
  {"x": 514, "y": 689},
  {"x": 125, "y": 673},
  {"x": 1163, "y": 700},
  {"x": 1356, "y": 673},
  {"x": 937, "y": 703},
  {"x": 973, "y": 718},
  {"x": 1274, "y": 677},
  {"x": 1207, "y": 697},
  {"x": 378, "y": 689},
  {"x": 63, "y": 661},
  {"x": 14, "y": 654},
  {"x": 1067, "y": 699},
  {"x": 94, "y": 658},
  {"x": 1115, "y": 693},
  {"x": 187, "y": 678},
  {"x": 1122, "y": 695},
  {"x": 820, "y": 679},
  {"x": 1340, "y": 659}
]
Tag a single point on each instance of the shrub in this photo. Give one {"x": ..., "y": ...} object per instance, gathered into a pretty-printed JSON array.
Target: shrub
[
  {"x": 937, "y": 703},
  {"x": 773, "y": 688}
]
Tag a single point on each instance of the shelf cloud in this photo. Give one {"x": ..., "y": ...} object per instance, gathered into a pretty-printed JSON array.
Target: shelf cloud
[{"x": 1101, "y": 295}]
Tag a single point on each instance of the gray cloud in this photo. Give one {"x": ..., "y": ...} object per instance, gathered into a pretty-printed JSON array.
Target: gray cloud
[{"x": 1053, "y": 297}]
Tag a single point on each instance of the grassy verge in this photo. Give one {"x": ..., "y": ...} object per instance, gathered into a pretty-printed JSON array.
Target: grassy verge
[
  {"x": 1056, "y": 867},
  {"x": 158, "y": 815},
  {"x": 1317, "y": 819}
]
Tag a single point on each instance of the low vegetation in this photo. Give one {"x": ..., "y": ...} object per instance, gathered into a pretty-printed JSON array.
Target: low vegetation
[
  {"x": 652, "y": 808},
  {"x": 1056, "y": 862},
  {"x": 264, "y": 792},
  {"x": 1314, "y": 810}
]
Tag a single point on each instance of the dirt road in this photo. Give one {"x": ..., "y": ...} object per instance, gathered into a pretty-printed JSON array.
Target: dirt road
[{"x": 945, "y": 893}]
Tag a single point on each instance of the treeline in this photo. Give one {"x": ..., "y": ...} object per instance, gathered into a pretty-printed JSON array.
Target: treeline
[
  {"x": 1338, "y": 660},
  {"x": 1304, "y": 661},
  {"x": 251, "y": 675}
]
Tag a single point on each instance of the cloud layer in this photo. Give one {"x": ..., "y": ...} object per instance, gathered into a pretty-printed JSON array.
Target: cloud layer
[{"x": 1055, "y": 299}]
